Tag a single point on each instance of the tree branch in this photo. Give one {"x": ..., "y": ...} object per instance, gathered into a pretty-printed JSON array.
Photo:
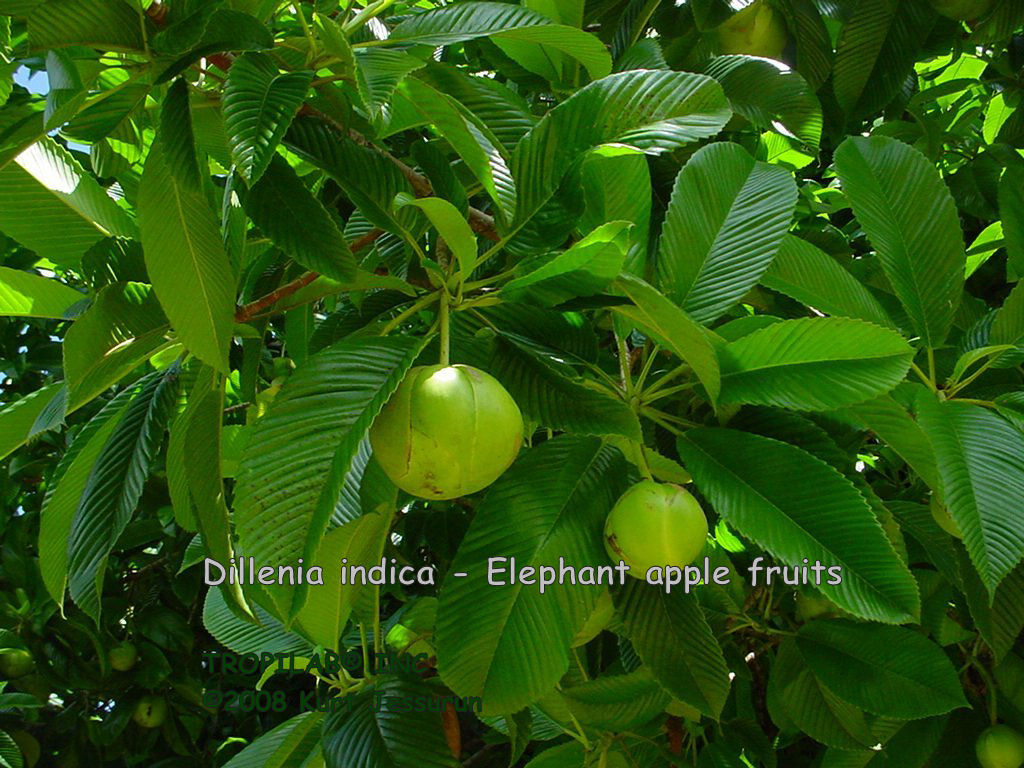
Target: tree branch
[{"x": 248, "y": 311}]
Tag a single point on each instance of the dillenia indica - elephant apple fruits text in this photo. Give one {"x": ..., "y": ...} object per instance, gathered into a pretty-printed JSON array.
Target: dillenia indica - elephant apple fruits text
[
  {"x": 15, "y": 663},
  {"x": 963, "y": 10},
  {"x": 655, "y": 525},
  {"x": 757, "y": 30},
  {"x": 447, "y": 431},
  {"x": 1000, "y": 747}
]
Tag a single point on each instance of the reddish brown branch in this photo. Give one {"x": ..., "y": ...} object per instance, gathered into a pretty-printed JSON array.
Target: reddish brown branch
[{"x": 253, "y": 308}]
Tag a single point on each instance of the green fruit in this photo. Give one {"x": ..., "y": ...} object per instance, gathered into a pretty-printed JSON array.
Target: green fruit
[
  {"x": 16, "y": 663},
  {"x": 123, "y": 657},
  {"x": 679, "y": 708},
  {"x": 942, "y": 516},
  {"x": 757, "y": 30},
  {"x": 814, "y": 606},
  {"x": 655, "y": 524},
  {"x": 962, "y": 10},
  {"x": 150, "y": 712},
  {"x": 598, "y": 620},
  {"x": 447, "y": 431},
  {"x": 1000, "y": 747}
]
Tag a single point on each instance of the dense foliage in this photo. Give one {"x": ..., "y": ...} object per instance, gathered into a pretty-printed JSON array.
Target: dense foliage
[{"x": 770, "y": 253}]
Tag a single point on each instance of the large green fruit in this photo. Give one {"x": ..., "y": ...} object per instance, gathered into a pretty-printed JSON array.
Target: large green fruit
[
  {"x": 150, "y": 712},
  {"x": 655, "y": 524},
  {"x": 447, "y": 431},
  {"x": 962, "y": 10},
  {"x": 1000, "y": 747},
  {"x": 15, "y": 663},
  {"x": 942, "y": 516},
  {"x": 122, "y": 657},
  {"x": 757, "y": 30}
]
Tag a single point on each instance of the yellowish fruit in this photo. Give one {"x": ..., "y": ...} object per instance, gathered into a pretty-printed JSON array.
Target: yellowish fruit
[
  {"x": 150, "y": 712},
  {"x": 941, "y": 514},
  {"x": 447, "y": 431},
  {"x": 598, "y": 620},
  {"x": 963, "y": 10},
  {"x": 1000, "y": 747},
  {"x": 16, "y": 663},
  {"x": 655, "y": 524},
  {"x": 122, "y": 657},
  {"x": 757, "y": 30}
]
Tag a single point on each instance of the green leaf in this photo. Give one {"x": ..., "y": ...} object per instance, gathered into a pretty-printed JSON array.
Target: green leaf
[
  {"x": 267, "y": 635},
  {"x": 671, "y": 327},
  {"x": 49, "y": 204},
  {"x": 114, "y": 487},
  {"x": 725, "y": 222},
  {"x": 910, "y": 218},
  {"x": 289, "y": 214},
  {"x": 507, "y": 643},
  {"x": 291, "y": 744},
  {"x": 813, "y": 364},
  {"x": 999, "y": 619},
  {"x": 108, "y": 24},
  {"x": 585, "y": 269},
  {"x": 770, "y": 95},
  {"x": 26, "y": 294},
  {"x": 811, "y": 706},
  {"x": 796, "y": 506},
  {"x": 360, "y": 542},
  {"x": 806, "y": 273},
  {"x": 391, "y": 734},
  {"x": 671, "y": 635},
  {"x": 451, "y": 226},
  {"x": 1008, "y": 328},
  {"x": 295, "y": 464},
  {"x": 877, "y": 48},
  {"x": 178, "y": 143},
  {"x": 1011, "y": 211},
  {"x": 122, "y": 328},
  {"x": 186, "y": 261},
  {"x": 980, "y": 458},
  {"x": 20, "y": 419},
  {"x": 555, "y": 397},
  {"x": 507, "y": 26},
  {"x": 378, "y": 74},
  {"x": 888, "y": 671},
  {"x": 617, "y": 702},
  {"x": 895, "y": 427},
  {"x": 259, "y": 104},
  {"x": 652, "y": 111},
  {"x": 66, "y": 489}
]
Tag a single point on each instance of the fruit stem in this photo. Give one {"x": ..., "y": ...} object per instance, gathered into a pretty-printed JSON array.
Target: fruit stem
[{"x": 444, "y": 329}]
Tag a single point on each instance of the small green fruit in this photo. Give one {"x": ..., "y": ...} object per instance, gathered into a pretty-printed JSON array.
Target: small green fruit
[
  {"x": 655, "y": 524},
  {"x": 810, "y": 607},
  {"x": 962, "y": 10},
  {"x": 150, "y": 712},
  {"x": 16, "y": 663},
  {"x": 942, "y": 516},
  {"x": 679, "y": 708},
  {"x": 757, "y": 30},
  {"x": 598, "y": 620},
  {"x": 1000, "y": 747},
  {"x": 123, "y": 657},
  {"x": 447, "y": 431}
]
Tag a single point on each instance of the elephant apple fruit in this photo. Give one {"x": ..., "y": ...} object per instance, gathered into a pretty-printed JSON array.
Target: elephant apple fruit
[
  {"x": 1000, "y": 747},
  {"x": 15, "y": 663},
  {"x": 123, "y": 656},
  {"x": 757, "y": 30},
  {"x": 150, "y": 712},
  {"x": 655, "y": 525},
  {"x": 447, "y": 431}
]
